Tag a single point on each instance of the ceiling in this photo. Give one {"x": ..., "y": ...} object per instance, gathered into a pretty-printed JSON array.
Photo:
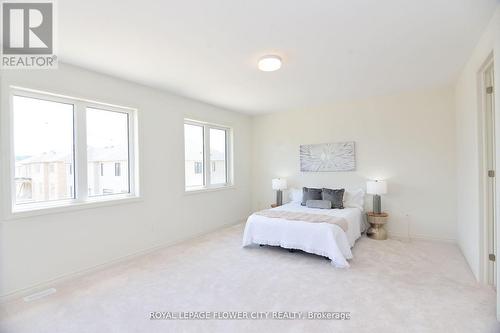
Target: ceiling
[{"x": 333, "y": 50}]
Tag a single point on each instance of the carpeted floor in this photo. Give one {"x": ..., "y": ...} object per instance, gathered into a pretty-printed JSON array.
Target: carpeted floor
[{"x": 392, "y": 286}]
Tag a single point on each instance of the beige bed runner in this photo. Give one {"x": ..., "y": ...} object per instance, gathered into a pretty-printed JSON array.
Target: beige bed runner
[{"x": 305, "y": 217}]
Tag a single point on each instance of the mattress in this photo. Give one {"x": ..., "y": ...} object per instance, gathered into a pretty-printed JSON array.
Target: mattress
[{"x": 323, "y": 239}]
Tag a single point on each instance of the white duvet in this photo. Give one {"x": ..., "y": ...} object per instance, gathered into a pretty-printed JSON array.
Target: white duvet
[{"x": 323, "y": 239}]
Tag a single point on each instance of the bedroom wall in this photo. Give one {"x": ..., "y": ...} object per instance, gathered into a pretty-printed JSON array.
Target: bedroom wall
[
  {"x": 36, "y": 250},
  {"x": 469, "y": 211},
  {"x": 407, "y": 139}
]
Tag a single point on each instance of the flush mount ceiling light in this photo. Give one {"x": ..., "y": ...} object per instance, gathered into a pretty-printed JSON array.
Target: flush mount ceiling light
[{"x": 270, "y": 63}]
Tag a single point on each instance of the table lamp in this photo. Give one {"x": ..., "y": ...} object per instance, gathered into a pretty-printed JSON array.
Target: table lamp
[
  {"x": 376, "y": 187},
  {"x": 279, "y": 184}
]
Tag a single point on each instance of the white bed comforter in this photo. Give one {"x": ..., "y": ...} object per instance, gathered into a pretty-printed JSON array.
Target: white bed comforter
[{"x": 323, "y": 239}]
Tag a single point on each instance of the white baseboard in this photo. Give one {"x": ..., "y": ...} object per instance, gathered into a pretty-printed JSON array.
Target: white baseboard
[
  {"x": 54, "y": 282},
  {"x": 402, "y": 236}
]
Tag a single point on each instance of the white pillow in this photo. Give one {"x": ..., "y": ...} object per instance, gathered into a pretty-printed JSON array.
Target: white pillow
[
  {"x": 295, "y": 195},
  {"x": 354, "y": 199}
]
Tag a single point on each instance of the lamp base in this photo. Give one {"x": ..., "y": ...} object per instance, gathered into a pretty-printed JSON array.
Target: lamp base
[
  {"x": 377, "y": 204},
  {"x": 279, "y": 198}
]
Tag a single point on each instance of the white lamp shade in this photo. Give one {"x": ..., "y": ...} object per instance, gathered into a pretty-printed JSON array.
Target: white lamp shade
[
  {"x": 376, "y": 187},
  {"x": 279, "y": 184}
]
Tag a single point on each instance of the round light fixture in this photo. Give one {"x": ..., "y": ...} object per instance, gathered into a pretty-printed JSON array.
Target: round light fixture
[{"x": 270, "y": 63}]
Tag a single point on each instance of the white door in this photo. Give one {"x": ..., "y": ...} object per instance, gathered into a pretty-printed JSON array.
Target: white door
[{"x": 490, "y": 165}]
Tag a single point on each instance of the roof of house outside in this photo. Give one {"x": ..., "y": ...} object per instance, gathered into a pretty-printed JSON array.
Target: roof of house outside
[
  {"x": 105, "y": 154},
  {"x": 198, "y": 156},
  {"x": 110, "y": 153},
  {"x": 94, "y": 154},
  {"x": 46, "y": 157}
]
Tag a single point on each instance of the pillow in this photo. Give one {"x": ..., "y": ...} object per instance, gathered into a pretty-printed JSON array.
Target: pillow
[
  {"x": 321, "y": 204},
  {"x": 310, "y": 194},
  {"x": 295, "y": 195},
  {"x": 354, "y": 199},
  {"x": 335, "y": 196}
]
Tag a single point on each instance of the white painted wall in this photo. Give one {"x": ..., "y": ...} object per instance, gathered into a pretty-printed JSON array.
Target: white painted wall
[
  {"x": 38, "y": 249},
  {"x": 467, "y": 99},
  {"x": 408, "y": 139}
]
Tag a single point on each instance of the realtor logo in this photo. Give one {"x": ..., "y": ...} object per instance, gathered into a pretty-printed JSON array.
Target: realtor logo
[{"x": 28, "y": 35}]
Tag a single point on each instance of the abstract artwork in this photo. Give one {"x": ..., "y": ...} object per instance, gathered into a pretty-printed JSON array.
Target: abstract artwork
[{"x": 338, "y": 156}]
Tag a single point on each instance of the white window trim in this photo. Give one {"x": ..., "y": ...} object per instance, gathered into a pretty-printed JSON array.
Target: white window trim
[
  {"x": 207, "y": 187},
  {"x": 81, "y": 199}
]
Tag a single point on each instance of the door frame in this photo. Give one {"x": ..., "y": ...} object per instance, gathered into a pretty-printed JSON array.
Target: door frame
[{"x": 483, "y": 176}]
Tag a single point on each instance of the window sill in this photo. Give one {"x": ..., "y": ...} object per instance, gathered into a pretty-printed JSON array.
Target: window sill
[
  {"x": 59, "y": 207},
  {"x": 209, "y": 189}
]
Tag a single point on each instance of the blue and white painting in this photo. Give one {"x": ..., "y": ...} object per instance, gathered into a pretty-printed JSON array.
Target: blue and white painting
[{"x": 326, "y": 157}]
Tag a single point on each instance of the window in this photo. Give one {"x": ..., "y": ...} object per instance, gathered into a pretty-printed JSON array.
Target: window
[
  {"x": 193, "y": 145},
  {"x": 55, "y": 164},
  {"x": 206, "y": 144},
  {"x": 218, "y": 146},
  {"x": 108, "y": 145},
  {"x": 43, "y": 137}
]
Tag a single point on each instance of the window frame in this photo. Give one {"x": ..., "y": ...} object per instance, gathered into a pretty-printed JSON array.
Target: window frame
[
  {"x": 81, "y": 197},
  {"x": 206, "y": 171}
]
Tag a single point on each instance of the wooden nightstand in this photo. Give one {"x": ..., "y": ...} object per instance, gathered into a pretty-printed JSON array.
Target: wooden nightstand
[{"x": 376, "y": 229}]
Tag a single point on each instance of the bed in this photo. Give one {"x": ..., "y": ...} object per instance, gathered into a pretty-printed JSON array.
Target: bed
[{"x": 324, "y": 239}]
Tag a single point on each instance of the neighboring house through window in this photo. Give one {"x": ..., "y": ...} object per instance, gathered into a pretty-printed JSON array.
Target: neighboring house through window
[
  {"x": 198, "y": 167},
  {"x": 118, "y": 170}
]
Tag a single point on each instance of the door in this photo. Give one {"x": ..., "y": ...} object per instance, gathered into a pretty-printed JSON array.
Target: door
[{"x": 490, "y": 167}]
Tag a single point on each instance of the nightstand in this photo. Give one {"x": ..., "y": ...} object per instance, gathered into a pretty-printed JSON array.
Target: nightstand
[{"x": 376, "y": 229}]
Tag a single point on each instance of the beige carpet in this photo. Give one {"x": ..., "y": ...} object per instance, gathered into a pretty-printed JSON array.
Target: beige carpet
[{"x": 392, "y": 286}]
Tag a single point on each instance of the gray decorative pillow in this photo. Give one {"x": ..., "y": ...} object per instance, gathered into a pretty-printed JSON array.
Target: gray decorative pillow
[
  {"x": 335, "y": 196},
  {"x": 322, "y": 204},
  {"x": 310, "y": 194}
]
